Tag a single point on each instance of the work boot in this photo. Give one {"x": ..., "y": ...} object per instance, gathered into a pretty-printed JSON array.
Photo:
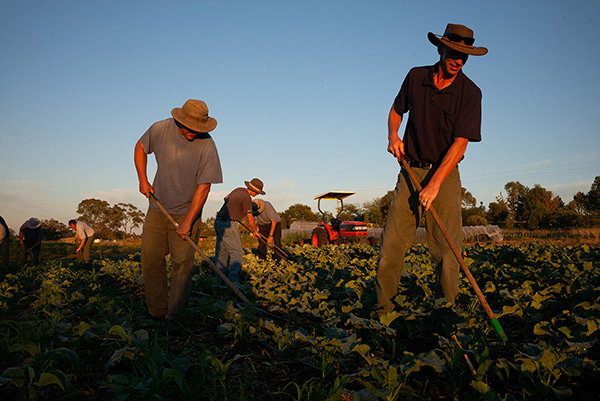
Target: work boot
[{"x": 174, "y": 326}]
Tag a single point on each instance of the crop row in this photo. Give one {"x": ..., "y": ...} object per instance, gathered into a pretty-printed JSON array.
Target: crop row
[{"x": 70, "y": 331}]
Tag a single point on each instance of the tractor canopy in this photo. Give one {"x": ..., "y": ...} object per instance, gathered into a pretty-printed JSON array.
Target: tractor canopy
[
  {"x": 338, "y": 196},
  {"x": 334, "y": 195}
]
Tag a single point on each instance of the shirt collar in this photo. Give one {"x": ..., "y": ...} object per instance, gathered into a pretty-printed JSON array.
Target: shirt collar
[{"x": 428, "y": 80}]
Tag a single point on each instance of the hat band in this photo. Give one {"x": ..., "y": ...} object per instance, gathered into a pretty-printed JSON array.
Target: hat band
[
  {"x": 455, "y": 37},
  {"x": 202, "y": 118}
]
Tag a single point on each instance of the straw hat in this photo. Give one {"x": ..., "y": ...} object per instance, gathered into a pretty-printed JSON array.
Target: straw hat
[
  {"x": 459, "y": 38},
  {"x": 260, "y": 205},
  {"x": 255, "y": 185},
  {"x": 194, "y": 115},
  {"x": 32, "y": 223}
]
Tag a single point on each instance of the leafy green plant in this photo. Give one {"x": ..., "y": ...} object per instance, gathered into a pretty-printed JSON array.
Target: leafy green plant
[
  {"x": 41, "y": 369},
  {"x": 309, "y": 334}
]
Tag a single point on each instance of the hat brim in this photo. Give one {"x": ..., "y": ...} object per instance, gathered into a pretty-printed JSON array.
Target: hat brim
[
  {"x": 210, "y": 124},
  {"x": 32, "y": 224},
  {"x": 459, "y": 47},
  {"x": 253, "y": 188}
]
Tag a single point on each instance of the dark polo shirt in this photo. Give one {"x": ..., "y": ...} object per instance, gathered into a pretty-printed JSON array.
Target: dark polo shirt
[{"x": 437, "y": 117}]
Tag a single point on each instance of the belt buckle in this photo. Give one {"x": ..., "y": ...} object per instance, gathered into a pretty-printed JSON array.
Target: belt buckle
[{"x": 423, "y": 165}]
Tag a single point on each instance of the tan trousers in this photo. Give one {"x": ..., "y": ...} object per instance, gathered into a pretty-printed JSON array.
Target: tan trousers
[
  {"x": 84, "y": 255},
  {"x": 159, "y": 239},
  {"x": 399, "y": 230}
]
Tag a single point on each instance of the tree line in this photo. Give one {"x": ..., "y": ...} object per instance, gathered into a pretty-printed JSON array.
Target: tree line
[
  {"x": 519, "y": 207},
  {"x": 539, "y": 208},
  {"x": 110, "y": 222}
]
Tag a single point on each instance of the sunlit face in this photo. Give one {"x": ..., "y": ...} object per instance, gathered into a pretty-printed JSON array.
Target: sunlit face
[
  {"x": 186, "y": 132},
  {"x": 451, "y": 61}
]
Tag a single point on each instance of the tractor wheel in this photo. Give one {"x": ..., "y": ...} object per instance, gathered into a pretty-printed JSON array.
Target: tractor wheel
[{"x": 319, "y": 237}]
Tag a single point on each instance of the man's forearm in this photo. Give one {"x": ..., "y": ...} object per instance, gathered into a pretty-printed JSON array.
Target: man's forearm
[
  {"x": 395, "y": 144},
  {"x": 252, "y": 222},
  {"x": 198, "y": 202},
  {"x": 450, "y": 160},
  {"x": 141, "y": 160}
]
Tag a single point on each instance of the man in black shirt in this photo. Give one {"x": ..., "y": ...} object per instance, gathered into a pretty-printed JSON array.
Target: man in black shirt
[
  {"x": 238, "y": 204},
  {"x": 31, "y": 235}
]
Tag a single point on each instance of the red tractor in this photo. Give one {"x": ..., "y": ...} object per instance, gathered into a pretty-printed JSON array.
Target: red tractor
[{"x": 336, "y": 231}]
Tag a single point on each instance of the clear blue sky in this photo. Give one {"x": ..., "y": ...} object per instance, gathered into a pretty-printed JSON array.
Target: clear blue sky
[{"x": 301, "y": 91}]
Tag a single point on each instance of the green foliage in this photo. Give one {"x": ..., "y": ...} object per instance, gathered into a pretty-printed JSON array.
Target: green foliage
[
  {"x": 297, "y": 212},
  {"x": 474, "y": 216},
  {"x": 589, "y": 204},
  {"x": 376, "y": 210},
  {"x": 108, "y": 221},
  {"x": 497, "y": 212},
  {"x": 468, "y": 200},
  {"x": 351, "y": 212},
  {"x": 54, "y": 230},
  {"x": 131, "y": 217},
  {"x": 67, "y": 330},
  {"x": 539, "y": 208}
]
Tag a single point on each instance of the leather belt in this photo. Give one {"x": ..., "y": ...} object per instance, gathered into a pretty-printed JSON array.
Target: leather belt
[{"x": 424, "y": 165}]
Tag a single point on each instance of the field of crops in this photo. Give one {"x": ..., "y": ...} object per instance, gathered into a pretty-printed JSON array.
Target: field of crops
[{"x": 70, "y": 332}]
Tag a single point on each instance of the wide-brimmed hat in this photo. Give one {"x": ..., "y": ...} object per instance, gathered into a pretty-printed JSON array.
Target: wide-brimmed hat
[
  {"x": 260, "y": 205},
  {"x": 32, "y": 223},
  {"x": 255, "y": 185},
  {"x": 459, "y": 38},
  {"x": 194, "y": 115}
]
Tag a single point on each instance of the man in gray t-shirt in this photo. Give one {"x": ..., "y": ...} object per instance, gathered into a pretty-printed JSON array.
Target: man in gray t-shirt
[
  {"x": 187, "y": 164},
  {"x": 269, "y": 227},
  {"x": 86, "y": 236}
]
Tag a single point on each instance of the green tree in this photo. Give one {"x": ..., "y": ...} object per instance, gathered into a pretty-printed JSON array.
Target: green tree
[
  {"x": 472, "y": 215},
  {"x": 475, "y": 219},
  {"x": 54, "y": 230},
  {"x": 375, "y": 211},
  {"x": 588, "y": 205},
  {"x": 132, "y": 218},
  {"x": 515, "y": 193},
  {"x": 537, "y": 207},
  {"x": 297, "y": 212},
  {"x": 114, "y": 222},
  {"x": 352, "y": 212},
  {"x": 566, "y": 216},
  {"x": 108, "y": 221},
  {"x": 468, "y": 200},
  {"x": 497, "y": 212},
  {"x": 593, "y": 197},
  {"x": 95, "y": 213}
]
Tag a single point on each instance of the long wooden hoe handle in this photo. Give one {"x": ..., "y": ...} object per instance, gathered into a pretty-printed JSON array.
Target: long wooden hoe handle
[
  {"x": 202, "y": 254},
  {"x": 463, "y": 265},
  {"x": 266, "y": 241}
]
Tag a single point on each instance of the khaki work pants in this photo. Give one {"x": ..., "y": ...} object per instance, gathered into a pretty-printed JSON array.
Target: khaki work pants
[
  {"x": 399, "y": 230},
  {"x": 84, "y": 254},
  {"x": 159, "y": 239}
]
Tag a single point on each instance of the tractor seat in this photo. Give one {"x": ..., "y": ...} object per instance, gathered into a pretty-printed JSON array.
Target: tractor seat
[{"x": 335, "y": 224}]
